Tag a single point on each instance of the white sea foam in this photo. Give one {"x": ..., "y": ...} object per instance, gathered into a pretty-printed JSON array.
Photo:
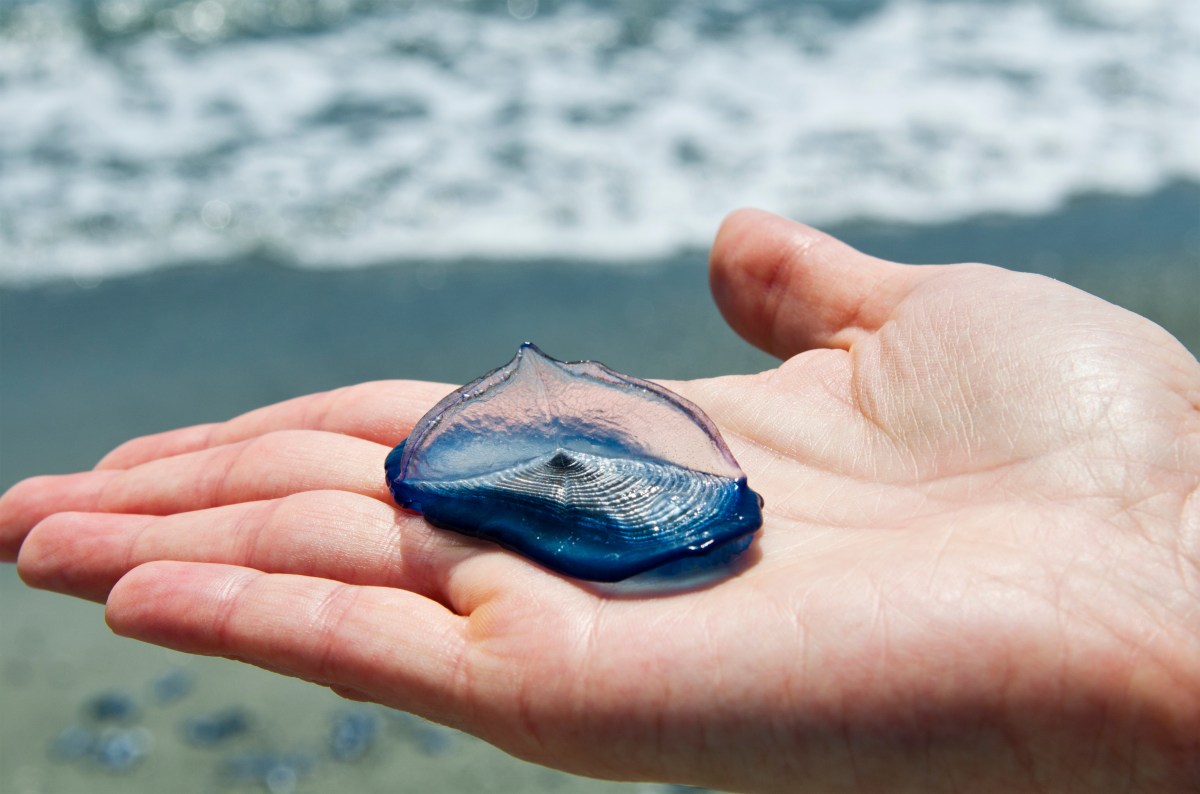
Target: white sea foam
[{"x": 427, "y": 132}]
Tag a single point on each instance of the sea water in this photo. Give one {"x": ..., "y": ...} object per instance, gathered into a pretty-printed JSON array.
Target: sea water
[{"x": 139, "y": 134}]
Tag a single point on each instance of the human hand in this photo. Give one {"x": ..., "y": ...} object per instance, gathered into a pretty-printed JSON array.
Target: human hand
[{"x": 980, "y": 563}]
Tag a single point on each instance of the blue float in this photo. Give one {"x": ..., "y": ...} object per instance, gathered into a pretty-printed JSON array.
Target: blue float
[{"x": 591, "y": 473}]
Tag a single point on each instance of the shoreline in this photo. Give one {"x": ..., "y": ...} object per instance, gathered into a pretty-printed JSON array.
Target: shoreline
[{"x": 201, "y": 343}]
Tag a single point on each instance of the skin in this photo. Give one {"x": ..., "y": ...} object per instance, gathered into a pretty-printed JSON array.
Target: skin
[{"x": 979, "y": 568}]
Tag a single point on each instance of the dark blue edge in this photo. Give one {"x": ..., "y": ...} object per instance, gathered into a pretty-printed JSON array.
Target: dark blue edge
[
  {"x": 731, "y": 533},
  {"x": 391, "y": 467}
]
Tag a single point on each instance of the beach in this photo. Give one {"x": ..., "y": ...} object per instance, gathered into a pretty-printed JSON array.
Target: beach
[
  {"x": 86, "y": 366},
  {"x": 207, "y": 206}
]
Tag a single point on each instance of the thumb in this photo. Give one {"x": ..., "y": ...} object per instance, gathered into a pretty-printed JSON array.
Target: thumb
[{"x": 786, "y": 287}]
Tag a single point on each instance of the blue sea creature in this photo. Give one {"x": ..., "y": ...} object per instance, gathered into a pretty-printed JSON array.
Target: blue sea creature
[
  {"x": 73, "y": 743},
  {"x": 594, "y": 474},
  {"x": 277, "y": 772},
  {"x": 171, "y": 686},
  {"x": 207, "y": 730},
  {"x": 113, "y": 707},
  {"x": 120, "y": 750},
  {"x": 352, "y": 734},
  {"x": 435, "y": 740}
]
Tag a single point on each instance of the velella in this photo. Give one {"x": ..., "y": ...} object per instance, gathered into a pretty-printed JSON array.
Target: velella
[{"x": 593, "y": 474}]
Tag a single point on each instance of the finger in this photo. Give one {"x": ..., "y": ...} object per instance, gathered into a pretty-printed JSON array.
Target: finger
[
  {"x": 31, "y": 500},
  {"x": 786, "y": 287},
  {"x": 266, "y": 467},
  {"x": 396, "y": 644},
  {"x": 329, "y": 534},
  {"x": 383, "y": 412}
]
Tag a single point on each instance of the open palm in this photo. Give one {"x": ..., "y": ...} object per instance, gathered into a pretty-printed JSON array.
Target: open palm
[{"x": 980, "y": 565}]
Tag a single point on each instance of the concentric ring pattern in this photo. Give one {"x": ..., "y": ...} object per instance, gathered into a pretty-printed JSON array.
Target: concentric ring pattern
[{"x": 591, "y": 473}]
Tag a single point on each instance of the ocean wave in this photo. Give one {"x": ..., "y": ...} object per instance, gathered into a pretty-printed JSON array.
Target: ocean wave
[{"x": 337, "y": 133}]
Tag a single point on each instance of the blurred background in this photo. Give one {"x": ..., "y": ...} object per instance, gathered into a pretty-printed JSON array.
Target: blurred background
[{"x": 206, "y": 206}]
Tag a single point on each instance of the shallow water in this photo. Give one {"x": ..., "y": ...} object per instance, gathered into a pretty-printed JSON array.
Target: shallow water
[{"x": 335, "y": 133}]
